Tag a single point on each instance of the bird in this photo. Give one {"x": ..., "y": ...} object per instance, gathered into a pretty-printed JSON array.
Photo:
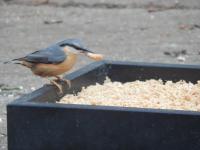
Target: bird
[{"x": 56, "y": 60}]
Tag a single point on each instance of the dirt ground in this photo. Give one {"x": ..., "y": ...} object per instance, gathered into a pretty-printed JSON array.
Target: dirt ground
[{"x": 145, "y": 31}]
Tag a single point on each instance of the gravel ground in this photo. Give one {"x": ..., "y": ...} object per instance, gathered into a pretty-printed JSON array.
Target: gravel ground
[{"x": 167, "y": 32}]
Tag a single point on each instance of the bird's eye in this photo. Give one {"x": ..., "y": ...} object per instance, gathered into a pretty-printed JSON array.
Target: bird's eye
[{"x": 62, "y": 45}]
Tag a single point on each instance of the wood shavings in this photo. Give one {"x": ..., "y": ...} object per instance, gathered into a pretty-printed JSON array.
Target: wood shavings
[{"x": 144, "y": 94}]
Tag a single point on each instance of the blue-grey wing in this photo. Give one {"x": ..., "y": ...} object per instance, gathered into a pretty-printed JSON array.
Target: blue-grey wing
[{"x": 51, "y": 55}]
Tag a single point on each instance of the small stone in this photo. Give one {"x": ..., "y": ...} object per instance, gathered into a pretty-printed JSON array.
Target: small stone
[
  {"x": 152, "y": 17},
  {"x": 1, "y": 120},
  {"x": 21, "y": 87},
  {"x": 53, "y": 21},
  {"x": 40, "y": 2},
  {"x": 167, "y": 53},
  {"x": 32, "y": 88},
  {"x": 197, "y": 26},
  {"x": 173, "y": 45},
  {"x": 10, "y": 95},
  {"x": 181, "y": 58}
]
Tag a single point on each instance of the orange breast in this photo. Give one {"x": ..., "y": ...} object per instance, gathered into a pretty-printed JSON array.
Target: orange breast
[{"x": 48, "y": 70}]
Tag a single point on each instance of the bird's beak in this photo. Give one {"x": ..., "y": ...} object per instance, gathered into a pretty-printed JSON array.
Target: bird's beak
[
  {"x": 91, "y": 54},
  {"x": 84, "y": 51}
]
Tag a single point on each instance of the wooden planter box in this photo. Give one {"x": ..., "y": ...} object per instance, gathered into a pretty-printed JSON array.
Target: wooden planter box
[{"x": 36, "y": 122}]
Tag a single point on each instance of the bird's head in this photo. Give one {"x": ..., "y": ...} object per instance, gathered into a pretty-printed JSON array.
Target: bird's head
[{"x": 76, "y": 46}]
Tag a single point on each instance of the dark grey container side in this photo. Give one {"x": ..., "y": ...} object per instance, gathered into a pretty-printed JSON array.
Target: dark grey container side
[{"x": 34, "y": 124}]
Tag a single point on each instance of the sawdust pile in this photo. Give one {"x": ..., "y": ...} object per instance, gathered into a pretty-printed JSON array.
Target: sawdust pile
[{"x": 144, "y": 94}]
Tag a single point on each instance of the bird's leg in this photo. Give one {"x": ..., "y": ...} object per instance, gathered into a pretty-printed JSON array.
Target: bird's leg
[
  {"x": 65, "y": 80},
  {"x": 57, "y": 85}
]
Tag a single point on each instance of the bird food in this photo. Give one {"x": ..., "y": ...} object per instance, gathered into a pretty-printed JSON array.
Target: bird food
[
  {"x": 50, "y": 125},
  {"x": 144, "y": 94}
]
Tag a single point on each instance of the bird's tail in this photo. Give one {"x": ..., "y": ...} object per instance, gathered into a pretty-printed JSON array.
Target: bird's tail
[
  {"x": 20, "y": 61},
  {"x": 14, "y": 61}
]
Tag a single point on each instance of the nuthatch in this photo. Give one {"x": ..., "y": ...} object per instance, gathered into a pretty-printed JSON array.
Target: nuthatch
[{"x": 56, "y": 60}]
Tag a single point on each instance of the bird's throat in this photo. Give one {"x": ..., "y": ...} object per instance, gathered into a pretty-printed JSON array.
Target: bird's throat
[{"x": 71, "y": 60}]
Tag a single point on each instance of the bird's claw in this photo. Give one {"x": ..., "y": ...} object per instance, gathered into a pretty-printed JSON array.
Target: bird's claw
[
  {"x": 68, "y": 82},
  {"x": 64, "y": 80},
  {"x": 58, "y": 86}
]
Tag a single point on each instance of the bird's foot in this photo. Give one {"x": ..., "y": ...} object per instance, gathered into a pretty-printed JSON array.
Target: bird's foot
[
  {"x": 68, "y": 82},
  {"x": 64, "y": 80},
  {"x": 57, "y": 85}
]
